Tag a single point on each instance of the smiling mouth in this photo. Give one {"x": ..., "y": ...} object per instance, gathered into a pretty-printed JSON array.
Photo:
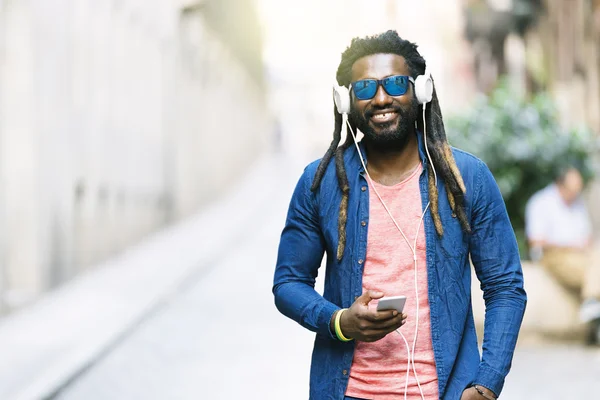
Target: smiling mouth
[{"x": 385, "y": 117}]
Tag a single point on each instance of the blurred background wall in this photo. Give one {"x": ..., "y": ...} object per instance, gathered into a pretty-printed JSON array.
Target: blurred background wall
[{"x": 116, "y": 118}]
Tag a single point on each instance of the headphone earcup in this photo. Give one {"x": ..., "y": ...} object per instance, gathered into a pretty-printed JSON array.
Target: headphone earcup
[
  {"x": 341, "y": 97},
  {"x": 424, "y": 88}
]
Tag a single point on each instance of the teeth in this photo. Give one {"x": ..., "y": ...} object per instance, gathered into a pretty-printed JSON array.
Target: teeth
[{"x": 382, "y": 116}]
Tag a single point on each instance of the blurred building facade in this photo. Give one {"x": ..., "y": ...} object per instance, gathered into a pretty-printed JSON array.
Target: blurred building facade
[
  {"x": 541, "y": 45},
  {"x": 566, "y": 41},
  {"x": 116, "y": 118}
]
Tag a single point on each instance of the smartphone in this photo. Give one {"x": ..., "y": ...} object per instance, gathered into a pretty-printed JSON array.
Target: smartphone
[{"x": 392, "y": 303}]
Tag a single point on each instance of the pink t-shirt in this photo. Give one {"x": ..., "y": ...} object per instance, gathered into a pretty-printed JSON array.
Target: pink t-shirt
[{"x": 379, "y": 369}]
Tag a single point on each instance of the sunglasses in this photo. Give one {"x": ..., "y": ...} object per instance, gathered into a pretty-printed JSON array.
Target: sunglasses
[{"x": 396, "y": 85}]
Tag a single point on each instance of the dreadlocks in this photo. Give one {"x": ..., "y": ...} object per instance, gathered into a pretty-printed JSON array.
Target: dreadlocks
[{"x": 441, "y": 154}]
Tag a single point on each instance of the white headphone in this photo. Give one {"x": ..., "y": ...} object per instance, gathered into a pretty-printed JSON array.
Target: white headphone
[
  {"x": 424, "y": 87},
  {"x": 423, "y": 92}
]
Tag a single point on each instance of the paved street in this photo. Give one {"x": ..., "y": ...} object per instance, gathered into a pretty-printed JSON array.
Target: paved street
[
  {"x": 558, "y": 372},
  {"x": 220, "y": 336}
]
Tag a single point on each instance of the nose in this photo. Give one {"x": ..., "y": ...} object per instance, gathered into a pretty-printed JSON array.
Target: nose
[{"x": 381, "y": 98}]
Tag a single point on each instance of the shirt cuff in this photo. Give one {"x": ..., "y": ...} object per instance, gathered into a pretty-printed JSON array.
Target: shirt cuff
[
  {"x": 325, "y": 319},
  {"x": 489, "y": 378}
]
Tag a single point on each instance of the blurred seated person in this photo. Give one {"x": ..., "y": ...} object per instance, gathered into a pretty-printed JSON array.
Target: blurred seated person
[{"x": 559, "y": 234}]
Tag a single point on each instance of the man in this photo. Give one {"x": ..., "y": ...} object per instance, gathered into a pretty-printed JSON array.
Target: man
[
  {"x": 405, "y": 226},
  {"x": 559, "y": 233}
]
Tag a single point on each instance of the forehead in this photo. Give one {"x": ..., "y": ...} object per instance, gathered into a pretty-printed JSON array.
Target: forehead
[{"x": 379, "y": 66}]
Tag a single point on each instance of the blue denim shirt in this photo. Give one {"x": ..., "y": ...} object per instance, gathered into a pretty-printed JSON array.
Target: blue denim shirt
[{"x": 311, "y": 230}]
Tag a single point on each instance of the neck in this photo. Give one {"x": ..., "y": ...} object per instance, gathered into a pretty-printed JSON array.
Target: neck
[
  {"x": 565, "y": 196},
  {"x": 391, "y": 166}
]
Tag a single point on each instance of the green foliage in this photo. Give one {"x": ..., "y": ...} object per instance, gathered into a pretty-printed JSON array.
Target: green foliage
[{"x": 524, "y": 146}]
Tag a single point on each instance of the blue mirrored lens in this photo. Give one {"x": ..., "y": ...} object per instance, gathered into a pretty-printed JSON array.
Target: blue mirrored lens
[
  {"x": 396, "y": 85},
  {"x": 365, "y": 89}
]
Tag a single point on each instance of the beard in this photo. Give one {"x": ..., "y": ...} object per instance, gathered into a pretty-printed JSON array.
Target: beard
[{"x": 392, "y": 136}]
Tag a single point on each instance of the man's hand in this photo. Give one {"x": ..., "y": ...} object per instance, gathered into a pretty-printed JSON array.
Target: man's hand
[
  {"x": 472, "y": 394},
  {"x": 360, "y": 323}
]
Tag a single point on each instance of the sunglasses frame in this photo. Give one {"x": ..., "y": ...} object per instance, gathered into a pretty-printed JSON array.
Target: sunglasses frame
[{"x": 382, "y": 82}]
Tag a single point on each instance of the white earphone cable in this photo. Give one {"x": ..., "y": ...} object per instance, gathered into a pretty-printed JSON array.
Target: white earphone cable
[
  {"x": 411, "y": 357},
  {"x": 407, "y": 363},
  {"x": 415, "y": 246}
]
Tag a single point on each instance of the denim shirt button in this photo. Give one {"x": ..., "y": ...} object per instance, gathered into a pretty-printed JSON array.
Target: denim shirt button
[
  {"x": 345, "y": 372},
  {"x": 360, "y": 261},
  {"x": 363, "y": 223},
  {"x": 364, "y": 188}
]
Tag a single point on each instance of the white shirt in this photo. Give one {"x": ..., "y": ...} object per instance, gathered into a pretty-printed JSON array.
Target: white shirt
[{"x": 548, "y": 218}]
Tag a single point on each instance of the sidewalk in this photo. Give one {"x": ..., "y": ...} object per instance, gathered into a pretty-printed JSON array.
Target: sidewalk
[
  {"x": 46, "y": 346},
  {"x": 220, "y": 337}
]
